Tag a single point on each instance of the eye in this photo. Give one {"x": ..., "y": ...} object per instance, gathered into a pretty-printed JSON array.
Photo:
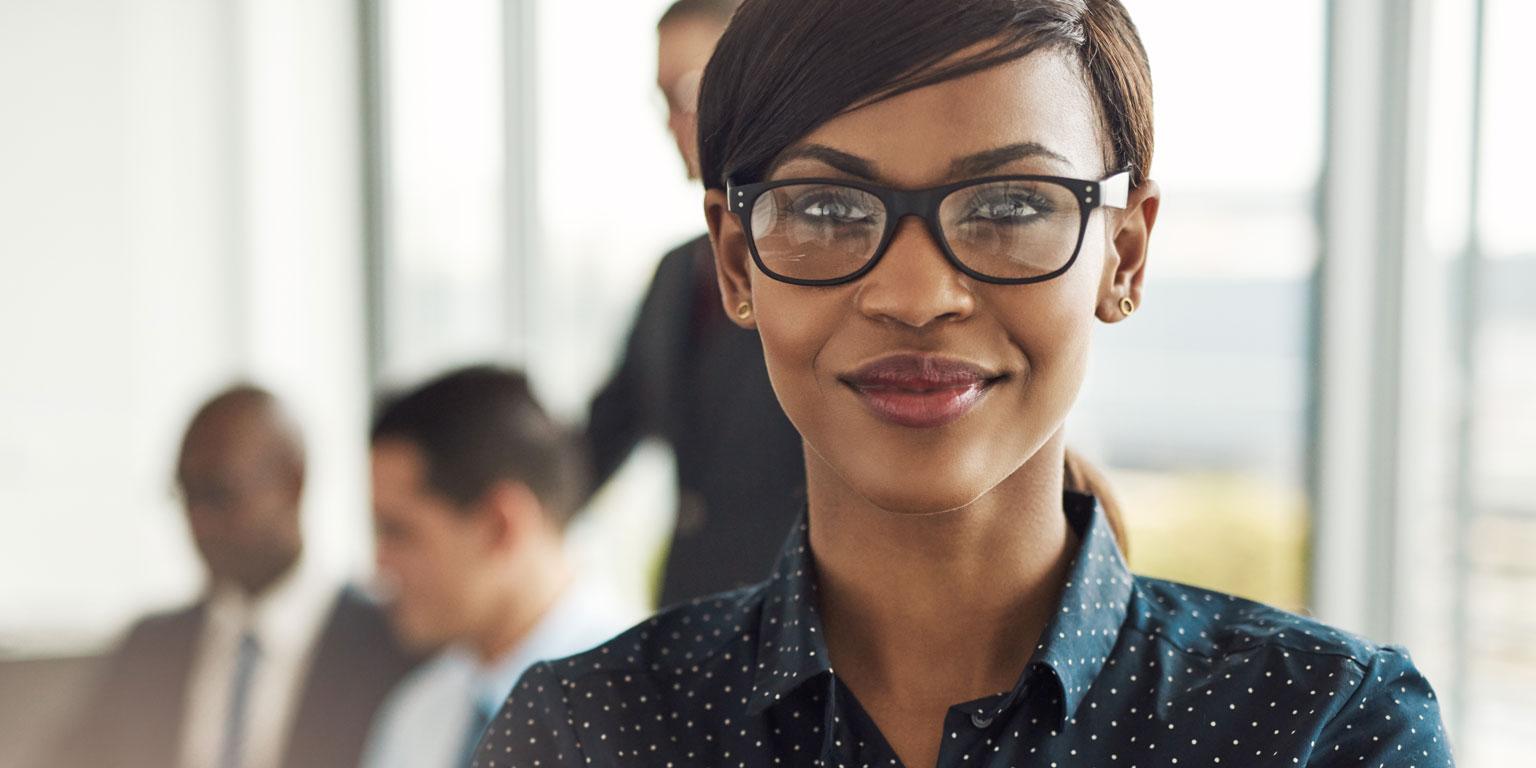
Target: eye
[
  {"x": 1005, "y": 207},
  {"x": 836, "y": 207}
]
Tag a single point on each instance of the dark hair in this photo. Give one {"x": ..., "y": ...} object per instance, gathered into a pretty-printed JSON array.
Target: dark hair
[
  {"x": 785, "y": 67},
  {"x": 476, "y": 426},
  {"x": 711, "y": 10}
]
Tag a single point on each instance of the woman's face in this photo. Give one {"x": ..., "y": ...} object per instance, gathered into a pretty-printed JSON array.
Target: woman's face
[{"x": 915, "y": 386}]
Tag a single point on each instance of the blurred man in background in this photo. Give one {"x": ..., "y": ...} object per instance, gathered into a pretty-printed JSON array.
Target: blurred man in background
[
  {"x": 696, "y": 380},
  {"x": 473, "y": 484},
  {"x": 277, "y": 666}
]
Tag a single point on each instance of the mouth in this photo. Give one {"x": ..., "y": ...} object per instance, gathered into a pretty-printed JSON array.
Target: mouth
[{"x": 920, "y": 391}]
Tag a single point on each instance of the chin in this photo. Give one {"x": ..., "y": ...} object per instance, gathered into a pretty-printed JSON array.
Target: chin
[
  {"x": 906, "y": 477},
  {"x": 933, "y": 489},
  {"x": 925, "y": 500},
  {"x": 414, "y": 633}
]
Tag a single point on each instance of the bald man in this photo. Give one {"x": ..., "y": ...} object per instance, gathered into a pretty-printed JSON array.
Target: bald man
[{"x": 276, "y": 666}]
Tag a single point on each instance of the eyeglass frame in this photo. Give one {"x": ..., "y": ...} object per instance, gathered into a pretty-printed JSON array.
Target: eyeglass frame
[{"x": 1112, "y": 191}]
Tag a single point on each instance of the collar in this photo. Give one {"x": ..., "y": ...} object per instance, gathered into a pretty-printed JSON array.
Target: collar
[
  {"x": 577, "y": 620},
  {"x": 791, "y": 646},
  {"x": 285, "y": 617},
  {"x": 1073, "y": 648},
  {"x": 1094, "y": 604}
]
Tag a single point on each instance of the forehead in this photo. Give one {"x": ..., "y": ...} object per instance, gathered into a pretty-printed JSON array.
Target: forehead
[
  {"x": 913, "y": 138},
  {"x": 398, "y": 466},
  {"x": 225, "y": 439}
]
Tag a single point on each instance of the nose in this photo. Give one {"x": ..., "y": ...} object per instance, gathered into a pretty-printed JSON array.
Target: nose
[{"x": 914, "y": 284}]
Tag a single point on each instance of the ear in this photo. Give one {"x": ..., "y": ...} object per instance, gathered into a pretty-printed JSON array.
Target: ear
[
  {"x": 290, "y": 479},
  {"x": 511, "y": 513},
  {"x": 733, "y": 260},
  {"x": 1125, "y": 263}
]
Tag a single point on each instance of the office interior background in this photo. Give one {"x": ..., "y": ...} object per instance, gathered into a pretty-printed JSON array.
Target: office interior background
[{"x": 1328, "y": 401}]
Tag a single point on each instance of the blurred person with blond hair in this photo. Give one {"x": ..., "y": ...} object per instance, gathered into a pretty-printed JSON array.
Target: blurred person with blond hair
[{"x": 277, "y": 665}]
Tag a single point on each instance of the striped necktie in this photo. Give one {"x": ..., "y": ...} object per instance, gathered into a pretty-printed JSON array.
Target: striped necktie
[{"x": 232, "y": 749}]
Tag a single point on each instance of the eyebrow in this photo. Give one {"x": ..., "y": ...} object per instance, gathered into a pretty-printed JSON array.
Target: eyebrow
[
  {"x": 852, "y": 165},
  {"x": 970, "y": 165},
  {"x": 982, "y": 162}
]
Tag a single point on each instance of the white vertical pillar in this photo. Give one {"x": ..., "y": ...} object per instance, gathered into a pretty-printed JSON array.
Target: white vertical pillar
[
  {"x": 1395, "y": 212},
  {"x": 1369, "y": 195},
  {"x": 303, "y": 278}
]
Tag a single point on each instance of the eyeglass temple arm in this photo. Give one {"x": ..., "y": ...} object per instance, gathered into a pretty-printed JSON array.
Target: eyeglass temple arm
[{"x": 1115, "y": 191}]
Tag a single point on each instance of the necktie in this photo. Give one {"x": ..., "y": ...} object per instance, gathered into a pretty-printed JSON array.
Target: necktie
[
  {"x": 230, "y": 750},
  {"x": 479, "y": 717}
]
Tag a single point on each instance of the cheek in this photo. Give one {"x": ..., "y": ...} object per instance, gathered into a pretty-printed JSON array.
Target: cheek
[
  {"x": 421, "y": 567},
  {"x": 1051, "y": 323},
  {"x": 795, "y": 324}
]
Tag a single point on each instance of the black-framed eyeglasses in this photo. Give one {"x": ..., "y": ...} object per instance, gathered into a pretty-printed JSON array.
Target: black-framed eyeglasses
[{"x": 1010, "y": 230}]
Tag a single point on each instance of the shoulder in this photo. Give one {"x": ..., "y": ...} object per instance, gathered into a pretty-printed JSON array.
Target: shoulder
[
  {"x": 356, "y": 614},
  {"x": 676, "y": 268},
  {"x": 1202, "y": 622},
  {"x": 671, "y": 286},
  {"x": 438, "y": 679},
  {"x": 417, "y": 711},
  {"x": 703, "y": 641},
  {"x": 687, "y": 252},
  {"x": 686, "y": 659},
  {"x": 353, "y": 605},
  {"x": 675, "y": 641},
  {"x": 423, "y": 694},
  {"x": 1363, "y": 699},
  {"x": 157, "y": 633},
  {"x": 356, "y": 640}
]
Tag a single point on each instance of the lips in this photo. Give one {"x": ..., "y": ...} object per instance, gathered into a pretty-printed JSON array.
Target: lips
[{"x": 920, "y": 391}]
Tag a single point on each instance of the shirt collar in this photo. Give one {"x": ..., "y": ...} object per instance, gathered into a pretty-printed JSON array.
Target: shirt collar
[
  {"x": 1094, "y": 602},
  {"x": 1074, "y": 647},
  {"x": 285, "y": 617},
  {"x": 575, "y": 621},
  {"x": 791, "y": 646}
]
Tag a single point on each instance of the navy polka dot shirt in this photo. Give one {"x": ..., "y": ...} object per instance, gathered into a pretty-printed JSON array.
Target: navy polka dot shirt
[{"x": 1132, "y": 672}]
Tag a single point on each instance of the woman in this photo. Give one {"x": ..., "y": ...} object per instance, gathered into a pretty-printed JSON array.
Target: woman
[{"x": 923, "y": 208}]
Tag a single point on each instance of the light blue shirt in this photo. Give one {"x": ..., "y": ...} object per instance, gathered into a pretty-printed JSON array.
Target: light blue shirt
[{"x": 423, "y": 722}]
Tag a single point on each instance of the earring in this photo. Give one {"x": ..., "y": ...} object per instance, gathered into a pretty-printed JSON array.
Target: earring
[
  {"x": 1127, "y": 306},
  {"x": 744, "y": 310}
]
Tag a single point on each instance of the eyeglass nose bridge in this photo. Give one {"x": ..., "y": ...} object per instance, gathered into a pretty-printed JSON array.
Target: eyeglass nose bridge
[{"x": 922, "y": 205}]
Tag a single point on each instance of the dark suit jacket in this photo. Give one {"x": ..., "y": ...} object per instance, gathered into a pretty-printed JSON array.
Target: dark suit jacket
[
  {"x": 696, "y": 380},
  {"x": 133, "y": 718}
]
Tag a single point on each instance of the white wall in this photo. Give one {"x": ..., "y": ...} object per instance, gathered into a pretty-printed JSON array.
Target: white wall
[{"x": 178, "y": 209}]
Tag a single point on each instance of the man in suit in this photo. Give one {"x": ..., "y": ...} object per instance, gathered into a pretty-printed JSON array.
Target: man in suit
[
  {"x": 276, "y": 666},
  {"x": 696, "y": 380}
]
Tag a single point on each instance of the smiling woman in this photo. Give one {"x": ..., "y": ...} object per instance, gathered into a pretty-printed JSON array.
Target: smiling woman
[{"x": 924, "y": 209}]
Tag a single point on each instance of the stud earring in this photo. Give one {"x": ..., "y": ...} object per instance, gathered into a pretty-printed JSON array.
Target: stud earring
[
  {"x": 744, "y": 310},
  {"x": 1127, "y": 306}
]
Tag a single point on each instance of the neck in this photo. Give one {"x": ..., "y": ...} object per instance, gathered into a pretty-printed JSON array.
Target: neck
[
  {"x": 526, "y": 597},
  {"x": 948, "y": 606}
]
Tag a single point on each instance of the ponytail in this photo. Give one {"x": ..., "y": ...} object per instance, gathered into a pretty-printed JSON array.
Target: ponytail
[{"x": 1083, "y": 477}]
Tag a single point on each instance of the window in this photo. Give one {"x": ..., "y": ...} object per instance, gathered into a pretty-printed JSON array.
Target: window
[
  {"x": 1198, "y": 403},
  {"x": 1498, "y": 582},
  {"x": 447, "y": 256}
]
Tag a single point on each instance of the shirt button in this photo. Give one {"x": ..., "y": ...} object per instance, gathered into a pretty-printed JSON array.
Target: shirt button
[{"x": 979, "y": 720}]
